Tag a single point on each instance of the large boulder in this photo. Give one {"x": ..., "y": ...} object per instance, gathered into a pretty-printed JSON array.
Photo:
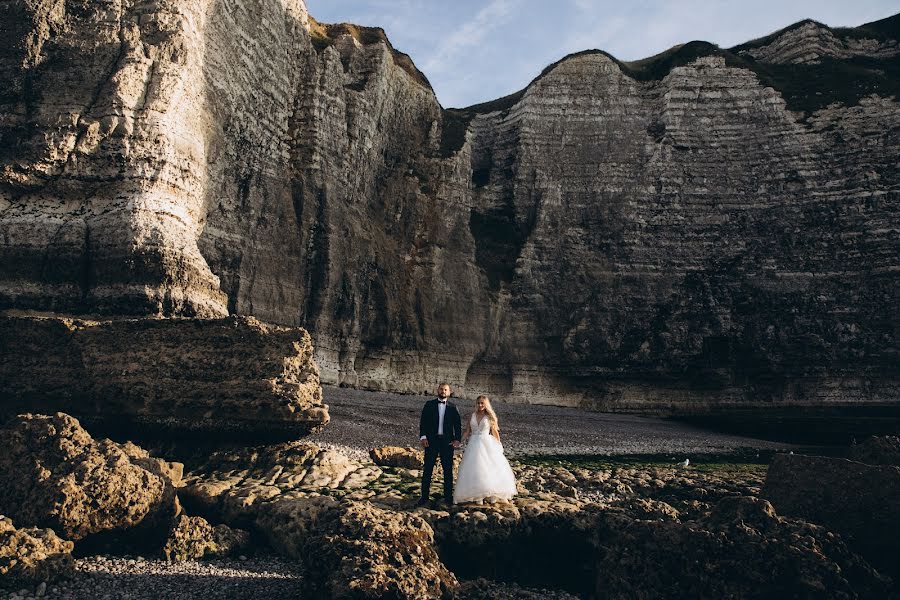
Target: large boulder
[
  {"x": 356, "y": 549},
  {"x": 30, "y": 555},
  {"x": 853, "y": 499},
  {"x": 234, "y": 377},
  {"x": 54, "y": 474},
  {"x": 739, "y": 549}
]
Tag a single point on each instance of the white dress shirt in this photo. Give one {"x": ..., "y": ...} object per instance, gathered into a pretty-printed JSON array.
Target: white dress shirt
[{"x": 442, "y": 408}]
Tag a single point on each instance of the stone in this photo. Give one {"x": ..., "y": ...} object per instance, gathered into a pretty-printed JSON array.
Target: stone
[
  {"x": 357, "y": 550},
  {"x": 855, "y": 500},
  {"x": 193, "y": 538},
  {"x": 232, "y": 377},
  {"x": 877, "y": 450},
  {"x": 578, "y": 242},
  {"x": 32, "y": 555},
  {"x": 740, "y": 548},
  {"x": 395, "y": 456},
  {"x": 54, "y": 474}
]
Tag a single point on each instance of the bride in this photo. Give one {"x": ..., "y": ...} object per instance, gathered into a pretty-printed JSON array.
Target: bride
[{"x": 484, "y": 472}]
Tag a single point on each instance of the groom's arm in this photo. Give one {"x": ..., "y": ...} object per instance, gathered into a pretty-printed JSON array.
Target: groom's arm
[
  {"x": 457, "y": 430},
  {"x": 422, "y": 437}
]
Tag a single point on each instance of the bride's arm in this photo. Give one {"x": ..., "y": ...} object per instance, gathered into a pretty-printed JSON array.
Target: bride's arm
[
  {"x": 467, "y": 430},
  {"x": 495, "y": 431}
]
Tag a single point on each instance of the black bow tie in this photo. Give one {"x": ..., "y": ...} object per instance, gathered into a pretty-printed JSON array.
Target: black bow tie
[{"x": 442, "y": 402}]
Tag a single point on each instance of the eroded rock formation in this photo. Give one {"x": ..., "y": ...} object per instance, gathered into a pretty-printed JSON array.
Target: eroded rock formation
[
  {"x": 54, "y": 474},
  {"x": 705, "y": 228},
  {"x": 227, "y": 377}
]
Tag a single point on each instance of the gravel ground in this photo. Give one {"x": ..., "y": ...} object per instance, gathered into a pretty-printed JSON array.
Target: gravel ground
[
  {"x": 136, "y": 578},
  {"x": 362, "y": 420}
]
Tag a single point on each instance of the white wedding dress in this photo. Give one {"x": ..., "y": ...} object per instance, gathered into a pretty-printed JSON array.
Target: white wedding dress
[{"x": 484, "y": 473}]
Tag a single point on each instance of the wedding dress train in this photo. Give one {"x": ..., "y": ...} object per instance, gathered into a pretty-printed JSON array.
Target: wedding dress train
[{"x": 484, "y": 471}]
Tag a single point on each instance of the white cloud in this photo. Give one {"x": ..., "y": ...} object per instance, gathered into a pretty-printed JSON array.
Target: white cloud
[{"x": 470, "y": 33}]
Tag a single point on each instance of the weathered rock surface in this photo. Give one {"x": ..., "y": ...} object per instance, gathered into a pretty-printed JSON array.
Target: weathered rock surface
[
  {"x": 31, "y": 555},
  {"x": 395, "y": 456},
  {"x": 230, "y": 482},
  {"x": 740, "y": 549},
  {"x": 596, "y": 532},
  {"x": 194, "y": 537},
  {"x": 357, "y": 550},
  {"x": 54, "y": 474},
  {"x": 877, "y": 450},
  {"x": 706, "y": 228},
  {"x": 233, "y": 376},
  {"x": 853, "y": 499}
]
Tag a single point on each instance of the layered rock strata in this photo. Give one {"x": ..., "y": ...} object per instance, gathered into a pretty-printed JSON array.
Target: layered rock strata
[
  {"x": 220, "y": 377},
  {"x": 703, "y": 229}
]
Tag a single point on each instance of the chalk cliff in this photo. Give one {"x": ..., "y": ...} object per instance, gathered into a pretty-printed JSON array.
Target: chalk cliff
[{"x": 704, "y": 228}]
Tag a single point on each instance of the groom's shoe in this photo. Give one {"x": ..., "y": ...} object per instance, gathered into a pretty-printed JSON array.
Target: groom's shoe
[{"x": 422, "y": 502}]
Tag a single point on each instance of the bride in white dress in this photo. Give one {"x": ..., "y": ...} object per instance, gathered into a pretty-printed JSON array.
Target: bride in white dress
[{"x": 484, "y": 473}]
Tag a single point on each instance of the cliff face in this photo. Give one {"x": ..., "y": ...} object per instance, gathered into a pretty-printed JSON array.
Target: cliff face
[{"x": 703, "y": 228}]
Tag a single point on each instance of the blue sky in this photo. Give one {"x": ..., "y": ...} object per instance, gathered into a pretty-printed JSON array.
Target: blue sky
[{"x": 476, "y": 51}]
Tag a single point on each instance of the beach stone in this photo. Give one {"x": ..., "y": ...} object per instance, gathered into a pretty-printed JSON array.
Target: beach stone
[{"x": 395, "y": 456}]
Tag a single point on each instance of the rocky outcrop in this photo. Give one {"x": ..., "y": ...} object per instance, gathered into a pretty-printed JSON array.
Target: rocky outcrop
[
  {"x": 703, "y": 229},
  {"x": 31, "y": 555},
  {"x": 309, "y": 503},
  {"x": 853, "y": 499},
  {"x": 54, "y": 474},
  {"x": 222, "y": 377},
  {"x": 231, "y": 482}
]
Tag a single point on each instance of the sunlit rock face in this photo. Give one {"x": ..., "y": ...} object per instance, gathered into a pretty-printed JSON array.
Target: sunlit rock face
[{"x": 705, "y": 228}]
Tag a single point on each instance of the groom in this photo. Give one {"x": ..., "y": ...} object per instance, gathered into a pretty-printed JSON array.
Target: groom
[{"x": 440, "y": 431}]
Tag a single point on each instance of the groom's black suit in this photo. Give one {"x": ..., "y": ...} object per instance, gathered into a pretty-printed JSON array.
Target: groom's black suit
[{"x": 439, "y": 445}]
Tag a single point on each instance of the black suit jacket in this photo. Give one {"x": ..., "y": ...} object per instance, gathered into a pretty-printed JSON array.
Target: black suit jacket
[{"x": 428, "y": 423}]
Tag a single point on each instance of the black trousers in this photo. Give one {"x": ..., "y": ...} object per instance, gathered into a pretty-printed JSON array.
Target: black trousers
[{"x": 440, "y": 447}]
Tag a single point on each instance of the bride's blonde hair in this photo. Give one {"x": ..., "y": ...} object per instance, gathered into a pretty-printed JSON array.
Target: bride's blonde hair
[{"x": 489, "y": 411}]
